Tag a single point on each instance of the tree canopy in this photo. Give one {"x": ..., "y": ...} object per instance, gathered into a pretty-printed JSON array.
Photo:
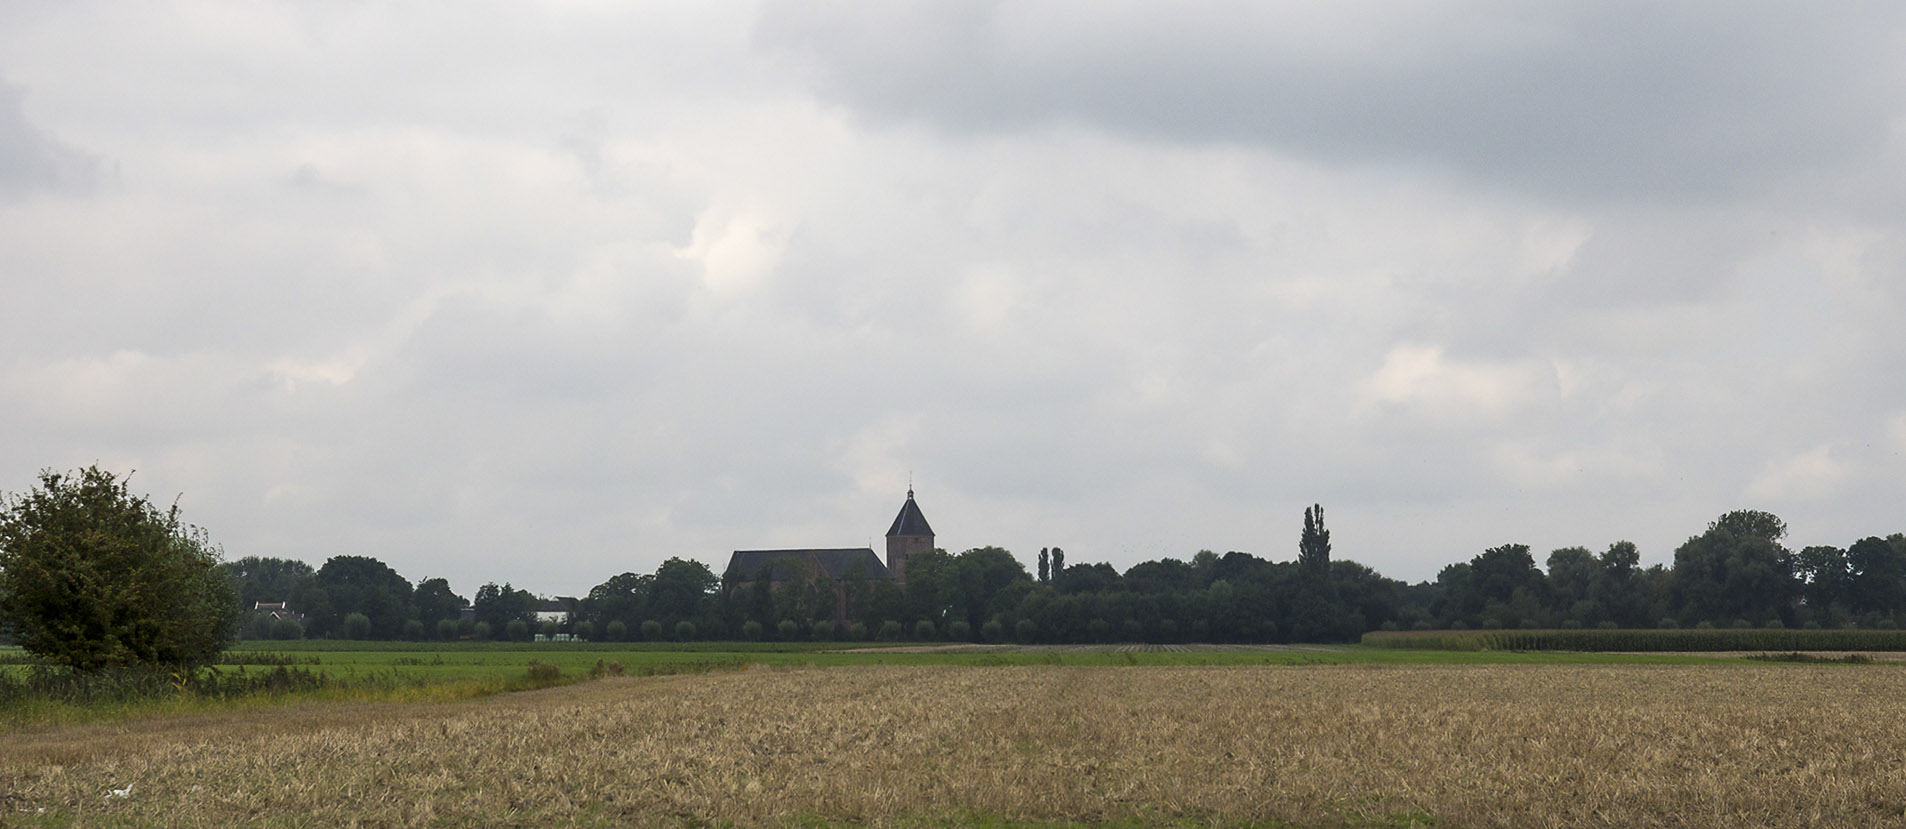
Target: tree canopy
[{"x": 92, "y": 577}]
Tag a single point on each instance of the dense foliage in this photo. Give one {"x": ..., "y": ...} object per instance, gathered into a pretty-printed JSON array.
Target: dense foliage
[
  {"x": 93, "y": 577},
  {"x": 1734, "y": 575}
]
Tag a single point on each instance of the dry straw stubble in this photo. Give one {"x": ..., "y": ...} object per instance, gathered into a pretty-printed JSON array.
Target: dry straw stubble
[{"x": 1467, "y": 745}]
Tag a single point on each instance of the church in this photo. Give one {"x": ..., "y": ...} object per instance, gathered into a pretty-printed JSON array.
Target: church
[{"x": 910, "y": 534}]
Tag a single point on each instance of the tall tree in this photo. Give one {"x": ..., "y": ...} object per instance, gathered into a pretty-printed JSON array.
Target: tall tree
[
  {"x": 1878, "y": 577},
  {"x": 362, "y": 584},
  {"x": 681, "y": 589},
  {"x": 269, "y": 580},
  {"x": 1045, "y": 565},
  {"x": 498, "y": 606},
  {"x": 1573, "y": 573},
  {"x": 623, "y": 598},
  {"x": 435, "y": 602},
  {"x": 1313, "y": 548},
  {"x": 1826, "y": 580},
  {"x": 1058, "y": 565},
  {"x": 1736, "y": 570}
]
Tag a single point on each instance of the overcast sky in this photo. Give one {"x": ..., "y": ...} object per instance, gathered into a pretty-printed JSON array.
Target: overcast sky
[{"x": 542, "y": 293}]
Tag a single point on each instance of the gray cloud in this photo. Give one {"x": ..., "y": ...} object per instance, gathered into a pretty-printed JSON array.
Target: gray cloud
[
  {"x": 1604, "y": 100},
  {"x": 547, "y": 296},
  {"x": 33, "y": 161}
]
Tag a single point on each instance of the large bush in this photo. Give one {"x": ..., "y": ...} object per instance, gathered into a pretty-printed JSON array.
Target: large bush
[{"x": 93, "y": 577}]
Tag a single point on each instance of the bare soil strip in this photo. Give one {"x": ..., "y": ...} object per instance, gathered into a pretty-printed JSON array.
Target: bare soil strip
[{"x": 1775, "y": 745}]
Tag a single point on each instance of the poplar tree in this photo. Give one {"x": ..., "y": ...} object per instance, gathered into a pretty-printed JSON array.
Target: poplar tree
[{"x": 1313, "y": 549}]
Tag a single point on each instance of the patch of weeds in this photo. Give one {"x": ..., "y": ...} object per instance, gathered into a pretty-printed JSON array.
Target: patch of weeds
[
  {"x": 1796, "y": 656},
  {"x": 544, "y": 673}
]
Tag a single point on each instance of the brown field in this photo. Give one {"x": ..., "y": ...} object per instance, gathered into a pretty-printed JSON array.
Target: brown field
[{"x": 1515, "y": 745}]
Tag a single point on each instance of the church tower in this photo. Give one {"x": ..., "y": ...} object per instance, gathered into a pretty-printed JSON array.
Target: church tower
[{"x": 910, "y": 534}]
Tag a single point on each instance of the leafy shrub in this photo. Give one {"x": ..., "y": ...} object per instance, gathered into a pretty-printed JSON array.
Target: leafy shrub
[
  {"x": 284, "y": 628},
  {"x": 414, "y": 630},
  {"x": 751, "y": 630},
  {"x": 788, "y": 630},
  {"x": 992, "y": 631},
  {"x": 924, "y": 630},
  {"x": 447, "y": 629},
  {"x": 652, "y": 630},
  {"x": 890, "y": 631},
  {"x": 602, "y": 669},
  {"x": 823, "y": 631},
  {"x": 480, "y": 632},
  {"x": 1025, "y": 631},
  {"x": 516, "y": 630},
  {"x": 959, "y": 631},
  {"x": 617, "y": 630},
  {"x": 94, "y": 577},
  {"x": 685, "y": 631},
  {"x": 550, "y": 628},
  {"x": 357, "y": 626},
  {"x": 586, "y": 630}
]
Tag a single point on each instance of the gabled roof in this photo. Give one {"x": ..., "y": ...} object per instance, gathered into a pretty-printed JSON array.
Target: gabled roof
[
  {"x": 910, "y": 521},
  {"x": 858, "y": 562}
]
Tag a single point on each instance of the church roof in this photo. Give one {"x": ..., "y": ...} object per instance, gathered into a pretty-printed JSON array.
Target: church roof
[
  {"x": 910, "y": 521},
  {"x": 858, "y": 562}
]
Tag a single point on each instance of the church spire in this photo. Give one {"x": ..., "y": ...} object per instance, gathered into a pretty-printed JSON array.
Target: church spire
[{"x": 909, "y": 534}]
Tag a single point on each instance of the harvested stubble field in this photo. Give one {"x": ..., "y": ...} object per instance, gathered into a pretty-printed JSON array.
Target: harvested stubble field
[{"x": 1503, "y": 745}]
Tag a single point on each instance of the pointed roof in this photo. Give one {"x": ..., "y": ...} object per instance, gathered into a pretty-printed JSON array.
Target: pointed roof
[{"x": 910, "y": 521}]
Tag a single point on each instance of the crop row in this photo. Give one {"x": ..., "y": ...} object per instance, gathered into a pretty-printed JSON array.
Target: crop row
[{"x": 1799, "y": 639}]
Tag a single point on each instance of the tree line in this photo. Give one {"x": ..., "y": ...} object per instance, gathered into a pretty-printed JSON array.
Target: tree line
[{"x": 1736, "y": 573}]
